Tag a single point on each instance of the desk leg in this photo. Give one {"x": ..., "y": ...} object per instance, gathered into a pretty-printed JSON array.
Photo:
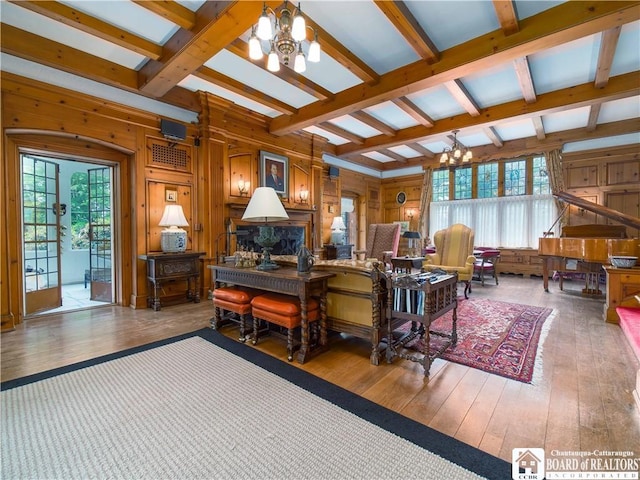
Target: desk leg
[
  {"x": 155, "y": 302},
  {"x": 196, "y": 293},
  {"x": 304, "y": 330}
]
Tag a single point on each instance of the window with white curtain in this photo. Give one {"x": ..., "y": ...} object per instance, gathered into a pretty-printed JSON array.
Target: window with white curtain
[{"x": 506, "y": 222}]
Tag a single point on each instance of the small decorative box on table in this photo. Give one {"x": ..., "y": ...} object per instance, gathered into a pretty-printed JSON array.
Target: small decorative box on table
[{"x": 420, "y": 299}]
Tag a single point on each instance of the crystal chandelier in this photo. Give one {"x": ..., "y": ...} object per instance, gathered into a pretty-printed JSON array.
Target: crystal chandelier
[
  {"x": 455, "y": 155},
  {"x": 290, "y": 31}
]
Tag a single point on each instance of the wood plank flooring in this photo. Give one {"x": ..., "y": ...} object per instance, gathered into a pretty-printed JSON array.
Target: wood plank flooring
[{"x": 582, "y": 402}]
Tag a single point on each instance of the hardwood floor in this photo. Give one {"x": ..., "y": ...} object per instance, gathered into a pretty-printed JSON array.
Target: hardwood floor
[{"x": 583, "y": 402}]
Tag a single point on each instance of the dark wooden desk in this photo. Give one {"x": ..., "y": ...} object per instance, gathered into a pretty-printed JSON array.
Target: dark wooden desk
[
  {"x": 164, "y": 267},
  {"x": 406, "y": 264},
  {"x": 288, "y": 281}
]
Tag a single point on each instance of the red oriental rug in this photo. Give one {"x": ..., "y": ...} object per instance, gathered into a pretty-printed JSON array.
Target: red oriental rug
[{"x": 496, "y": 337}]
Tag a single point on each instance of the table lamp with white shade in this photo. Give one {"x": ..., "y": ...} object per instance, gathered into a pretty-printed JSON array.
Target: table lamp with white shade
[
  {"x": 174, "y": 238},
  {"x": 265, "y": 207},
  {"x": 337, "y": 231}
]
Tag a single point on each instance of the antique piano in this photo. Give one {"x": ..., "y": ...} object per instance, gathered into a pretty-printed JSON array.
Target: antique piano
[{"x": 586, "y": 248}]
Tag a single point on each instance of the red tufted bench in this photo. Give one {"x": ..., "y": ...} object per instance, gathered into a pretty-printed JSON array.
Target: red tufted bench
[
  {"x": 284, "y": 311},
  {"x": 630, "y": 325},
  {"x": 236, "y": 300}
]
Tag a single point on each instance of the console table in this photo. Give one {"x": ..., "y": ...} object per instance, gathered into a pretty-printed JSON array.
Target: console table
[
  {"x": 338, "y": 252},
  {"x": 420, "y": 299},
  {"x": 164, "y": 267},
  {"x": 290, "y": 282}
]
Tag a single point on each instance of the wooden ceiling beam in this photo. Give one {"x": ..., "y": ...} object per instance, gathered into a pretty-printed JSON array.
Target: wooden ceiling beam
[
  {"x": 493, "y": 136},
  {"x": 91, "y": 25},
  {"x": 391, "y": 154},
  {"x": 217, "y": 25},
  {"x": 525, "y": 79},
  {"x": 402, "y": 18},
  {"x": 605, "y": 57},
  {"x": 420, "y": 149},
  {"x": 373, "y": 122},
  {"x": 414, "y": 111},
  {"x": 539, "y": 127},
  {"x": 172, "y": 11},
  {"x": 621, "y": 86},
  {"x": 343, "y": 55},
  {"x": 463, "y": 97},
  {"x": 240, "y": 88},
  {"x": 555, "y": 26},
  {"x": 506, "y": 13},
  {"x": 341, "y": 132},
  {"x": 594, "y": 113}
]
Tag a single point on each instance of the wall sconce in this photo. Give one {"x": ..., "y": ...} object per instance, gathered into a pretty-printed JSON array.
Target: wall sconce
[
  {"x": 243, "y": 187},
  {"x": 59, "y": 209},
  {"x": 304, "y": 194},
  {"x": 410, "y": 213}
]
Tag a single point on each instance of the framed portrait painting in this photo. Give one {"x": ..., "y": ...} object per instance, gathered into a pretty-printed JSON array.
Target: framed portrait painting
[{"x": 274, "y": 172}]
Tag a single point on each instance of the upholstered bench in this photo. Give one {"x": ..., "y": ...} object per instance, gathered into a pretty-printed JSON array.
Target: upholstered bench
[
  {"x": 630, "y": 325},
  {"x": 233, "y": 300},
  {"x": 284, "y": 311}
]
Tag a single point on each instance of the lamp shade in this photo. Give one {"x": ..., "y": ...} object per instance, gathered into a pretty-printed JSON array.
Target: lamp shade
[
  {"x": 264, "y": 207},
  {"x": 173, "y": 239},
  {"x": 173, "y": 216},
  {"x": 409, "y": 234},
  {"x": 338, "y": 224}
]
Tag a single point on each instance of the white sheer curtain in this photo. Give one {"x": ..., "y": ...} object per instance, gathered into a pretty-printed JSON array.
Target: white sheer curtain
[{"x": 508, "y": 222}]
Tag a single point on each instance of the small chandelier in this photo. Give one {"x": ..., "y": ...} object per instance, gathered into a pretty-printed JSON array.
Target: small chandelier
[
  {"x": 290, "y": 30},
  {"x": 455, "y": 155}
]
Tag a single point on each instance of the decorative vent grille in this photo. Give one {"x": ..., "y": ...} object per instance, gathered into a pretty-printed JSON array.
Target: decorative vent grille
[{"x": 170, "y": 156}]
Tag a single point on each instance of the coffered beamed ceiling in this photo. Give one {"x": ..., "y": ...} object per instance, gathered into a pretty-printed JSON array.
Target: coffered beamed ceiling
[{"x": 395, "y": 78}]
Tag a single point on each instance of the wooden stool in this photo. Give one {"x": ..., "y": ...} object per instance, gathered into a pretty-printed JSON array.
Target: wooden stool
[
  {"x": 284, "y": 311},
  {"x": 236, "y": 301}
]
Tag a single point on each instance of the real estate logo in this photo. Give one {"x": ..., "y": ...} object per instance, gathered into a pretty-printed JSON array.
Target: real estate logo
[{"x": 527, "y": 464}]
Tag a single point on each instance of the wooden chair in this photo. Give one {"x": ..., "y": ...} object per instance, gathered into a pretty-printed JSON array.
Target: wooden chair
[
  {"x": 382, "y": 242},
  {"x": 485, "y": 264},
  {"x": 454, "y": 253}
]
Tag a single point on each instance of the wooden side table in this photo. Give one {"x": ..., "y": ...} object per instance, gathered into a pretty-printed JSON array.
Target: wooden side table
[
  {"x": 406, "y": 264},
  {"x": 338, "y": 252},
  {"x": 164, "y": 267}
]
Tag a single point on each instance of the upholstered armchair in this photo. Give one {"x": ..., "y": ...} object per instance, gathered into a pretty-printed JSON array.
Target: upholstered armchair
[
  {"x": 454, "y": 253},
  {"x": 382, "y": 242}
]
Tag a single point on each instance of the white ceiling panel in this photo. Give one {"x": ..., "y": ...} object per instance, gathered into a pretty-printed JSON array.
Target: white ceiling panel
[
  {"x": 380, "y": 157},
  {"x": 609, "y": 142},
  {"x": 528, "y": 8},
  {"x": 232, "y": 66},
  {"x": 568, "y": 65},
  {"x": 352, "y": 125},
  {"x": 128, "y": 16},
  {"x": 392, "y": 115},
  {"x": 437, "y": 102},
  {"x": 331, "y": 137},
  {"x": 514, "y": 130},
  {"x": 463, "y": 20},
  {"x": 368, "y": 34},
  {"x": 494, "y": 86},
  {"x": 617, "y": 110},
  {"x": 568, "y": 120},
  {"x": 627, "y": 56},
  {"x": 405, "y": 151},
  {"x": 194, "y": 83}
]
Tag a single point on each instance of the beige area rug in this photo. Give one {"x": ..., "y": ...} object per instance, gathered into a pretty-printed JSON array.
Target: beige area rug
[{"x": 191, "y": 409}]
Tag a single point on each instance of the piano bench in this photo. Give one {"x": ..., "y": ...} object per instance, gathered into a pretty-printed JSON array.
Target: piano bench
[{"x": 630, "y": 325}]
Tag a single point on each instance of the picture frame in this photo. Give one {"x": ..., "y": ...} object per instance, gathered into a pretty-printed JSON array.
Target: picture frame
[
  {"x": 401, "y": 198},
  {"x": 404, "y": 226},
  {"x": 171, "y": 195},
  {"x": 274, "y": 172}
]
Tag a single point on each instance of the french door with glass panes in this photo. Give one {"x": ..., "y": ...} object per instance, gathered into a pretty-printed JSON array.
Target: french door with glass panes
[
  {"x": 41, "y": 211},
  {"x": 100, "y": 229}
]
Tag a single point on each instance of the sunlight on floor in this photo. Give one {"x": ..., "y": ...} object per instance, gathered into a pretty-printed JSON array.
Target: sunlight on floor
[{"x": 75, "y": 297}]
